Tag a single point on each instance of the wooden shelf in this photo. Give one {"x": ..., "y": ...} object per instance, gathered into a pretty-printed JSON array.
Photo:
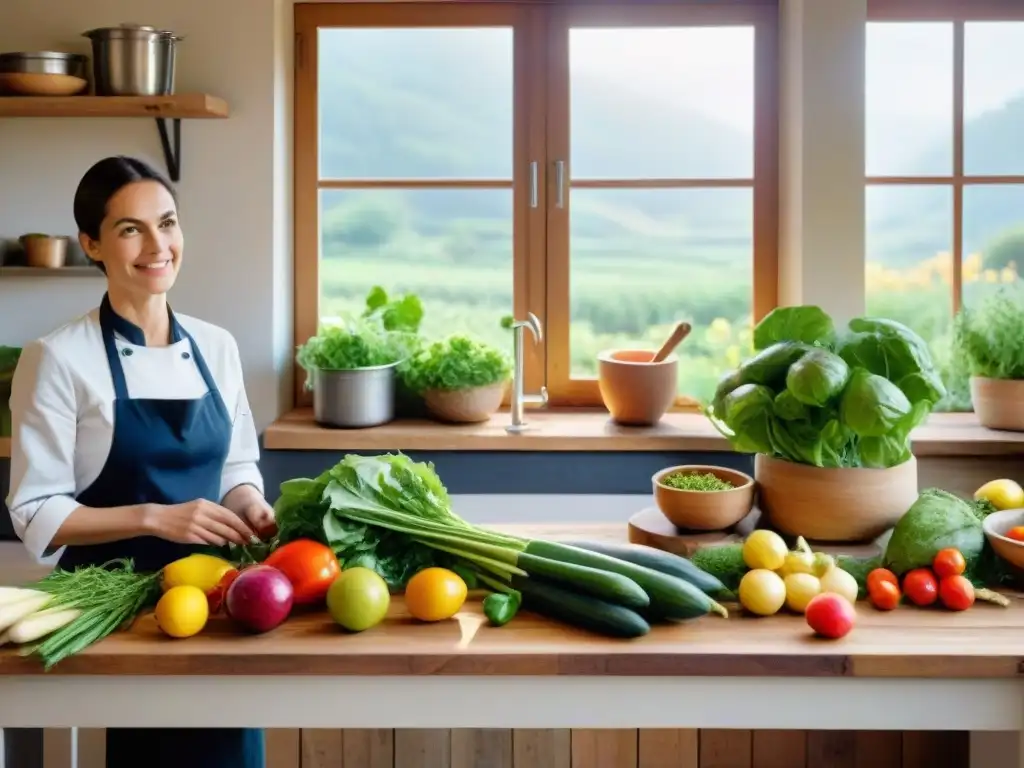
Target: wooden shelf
[
  {"x": 73, "y": 271},
  {"x": 175, "y": 108},
  {"x": 181, "y": 106},
  {"x": 944, "y": 434}
]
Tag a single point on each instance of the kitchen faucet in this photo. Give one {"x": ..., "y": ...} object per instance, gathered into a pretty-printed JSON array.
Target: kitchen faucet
[{"x": 519, "y": 399}]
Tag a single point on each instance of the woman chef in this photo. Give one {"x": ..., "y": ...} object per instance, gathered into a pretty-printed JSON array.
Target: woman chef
[{"x": 132, "y": 431}]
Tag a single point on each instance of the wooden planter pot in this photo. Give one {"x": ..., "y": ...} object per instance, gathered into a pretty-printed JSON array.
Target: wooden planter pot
[
  {"x": 465, "y": 406},
  {"x": 999, "y": 403},
  {"x": 841, "y": 505}
]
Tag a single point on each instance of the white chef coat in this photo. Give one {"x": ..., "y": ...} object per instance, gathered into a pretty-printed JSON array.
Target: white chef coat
[{"x": 62, "y": 405}]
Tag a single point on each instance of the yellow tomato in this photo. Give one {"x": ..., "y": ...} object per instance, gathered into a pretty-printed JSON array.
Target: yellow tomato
[
  {"x": 182, "y": 611},
  {"x": 201, "y": 571},
  {"x": 1003, "y": 494},
  {"x": 800, "y": 589},
  {"x": 434, "y": 594},
  {"x": 764, "y": 549},
  {"x": 762, "y": 592}
]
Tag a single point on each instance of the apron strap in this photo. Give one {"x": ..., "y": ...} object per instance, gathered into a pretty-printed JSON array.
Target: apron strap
[{"x": 107, "y": 321}]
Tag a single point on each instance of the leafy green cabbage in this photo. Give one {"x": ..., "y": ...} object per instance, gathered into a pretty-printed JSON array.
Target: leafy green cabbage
[{"x": 817, "y": 395}]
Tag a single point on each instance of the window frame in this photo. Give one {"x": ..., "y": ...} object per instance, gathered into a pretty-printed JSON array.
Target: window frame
[
  {"x": 958, "y": 13},
  {"x": 540, "y": 240}
]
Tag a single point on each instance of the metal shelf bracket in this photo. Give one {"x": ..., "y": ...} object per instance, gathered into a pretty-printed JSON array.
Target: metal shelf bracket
[{"x": 172, "y": 149}]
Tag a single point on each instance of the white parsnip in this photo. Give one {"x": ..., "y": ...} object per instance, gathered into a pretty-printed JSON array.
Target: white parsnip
[
  {"x": 12, "y": 613},
  {"x": 42, "y": 623}
]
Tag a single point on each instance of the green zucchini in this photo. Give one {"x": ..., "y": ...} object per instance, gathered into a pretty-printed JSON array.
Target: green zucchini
[
  {"x": 599, "y": 582},
  {"x": 670, "y": 597},
  {"x": 666, "y": 562},
  {"x": 583, "y": 611}
]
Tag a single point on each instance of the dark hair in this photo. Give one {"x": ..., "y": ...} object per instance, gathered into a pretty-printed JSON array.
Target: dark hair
[{"x": 104, "y": 180}]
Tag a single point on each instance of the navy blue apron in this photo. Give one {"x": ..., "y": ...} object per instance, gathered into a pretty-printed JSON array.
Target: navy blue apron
[{"x": 162, "y": 452}]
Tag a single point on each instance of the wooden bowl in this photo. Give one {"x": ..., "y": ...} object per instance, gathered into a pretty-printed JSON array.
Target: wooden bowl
[
  {"x": 41, "y": 84},
  {"x": 999, "y": 403},
  {"x": 997, "y": 524},
  {"x": 704, "y": 510},
  {"x": 465, "y": 406},
  {"x": 636, "y": 391},
  {"x": 845, "y": 505}
]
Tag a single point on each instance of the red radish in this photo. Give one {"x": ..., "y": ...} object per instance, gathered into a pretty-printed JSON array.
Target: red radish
[
  {"x": 830, "y": 615},
  {"x": 260, "y": 598}
]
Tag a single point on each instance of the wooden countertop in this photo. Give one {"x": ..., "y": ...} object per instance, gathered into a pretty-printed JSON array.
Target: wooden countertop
[
  {"x": 944, "y": 434},
  {"x": 984, "y": 642}
]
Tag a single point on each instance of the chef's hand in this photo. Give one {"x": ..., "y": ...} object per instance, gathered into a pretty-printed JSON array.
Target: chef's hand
[
  {"x": 199, "y": 522},
  {"x": 250, "y": 505}
]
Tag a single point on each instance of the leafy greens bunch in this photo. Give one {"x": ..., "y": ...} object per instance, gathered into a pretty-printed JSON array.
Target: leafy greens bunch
[
  {"x": 458, "y": 362},
  {"x": 814, "y": 394},
  {"x": 988, "y": 341},
  {"x": 386, "y": 332}
]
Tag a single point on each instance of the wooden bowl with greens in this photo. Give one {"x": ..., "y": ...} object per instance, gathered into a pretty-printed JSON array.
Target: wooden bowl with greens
[{"x": 700, "y": 497}]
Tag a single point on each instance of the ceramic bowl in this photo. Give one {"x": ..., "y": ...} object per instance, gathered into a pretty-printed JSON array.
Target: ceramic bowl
[
  {"x": 636, "y": 391},
  {"x": 995, "y": 526},
  {"x": 704, "y": 510}
]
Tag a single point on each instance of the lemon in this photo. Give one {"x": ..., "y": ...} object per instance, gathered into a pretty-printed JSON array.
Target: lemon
[
  {"x": 762, "y": 592},
  {"x": 1002, "y": 494},
  {"x": 764, "y": 549},
  {"x": 182, "y": 611},
  {"x": 800, "y": 590},
  {"x": 198, "y": 570}
]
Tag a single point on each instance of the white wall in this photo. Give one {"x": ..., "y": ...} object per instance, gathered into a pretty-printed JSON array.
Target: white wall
[{"x": 235, "y": 188}]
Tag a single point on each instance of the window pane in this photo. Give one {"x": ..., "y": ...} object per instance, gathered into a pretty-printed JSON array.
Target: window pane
[
  {"x": 993, "y": 240},
  {"x": 909, "y": 99},
  {"x": 909, "y": 261},
  {"x": 994, "y": 98},
  {"x": 415, "y": 103},
  {"x": 643, "y": 259},
  {"x": 453, "y": 248},
  {"x": 662, "y": 102}
]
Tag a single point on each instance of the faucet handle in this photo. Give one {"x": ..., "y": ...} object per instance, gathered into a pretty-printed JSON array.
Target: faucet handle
[
  {"x": 538, "y": 399},
  {"x": 533, "y": 323}
]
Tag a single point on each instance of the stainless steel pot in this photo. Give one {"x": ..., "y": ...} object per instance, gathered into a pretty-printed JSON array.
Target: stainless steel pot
[
  {"x": 44, "y": 63},
  {"x": 362, "y": 397},
  {"x": 133, "y": 60}
]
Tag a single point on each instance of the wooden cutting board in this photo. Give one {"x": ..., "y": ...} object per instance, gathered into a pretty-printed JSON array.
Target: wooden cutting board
[{"x": 650, "y": 527}]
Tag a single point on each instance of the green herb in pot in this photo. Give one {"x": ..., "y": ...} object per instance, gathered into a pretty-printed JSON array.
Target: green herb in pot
[
  {"x": 988, "y": 340},
  {"x": 696, "y": 481},
  {"x": 458, "y": 362},
  {"x": 354, "y": 343}
]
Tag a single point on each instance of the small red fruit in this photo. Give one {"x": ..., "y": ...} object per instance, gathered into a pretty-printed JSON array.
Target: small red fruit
[
  {"x": 921, "y": 587},
  {"x": 956, "y": 593},
  {"x": 830, "y": 615},
  {"x": 948, "y": 562},
  {"x": 885, "y": 596},
  {"x": 1016, "y": 533},
  {"x": 881, "y": 575}
]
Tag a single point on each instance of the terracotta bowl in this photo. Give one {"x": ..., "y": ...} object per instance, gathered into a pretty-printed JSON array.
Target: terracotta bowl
[
  {"x": 704, "y": 510},
  {"x": 465, "y": 406},
  {"x": 844, "y": 505},
  {"x": 636, "y": 391},
  {"x": 995, "y": 526},
  {"x": 999, "y": 403}
]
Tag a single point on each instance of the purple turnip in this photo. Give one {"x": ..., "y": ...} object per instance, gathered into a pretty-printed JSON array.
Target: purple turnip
[{"x": 260, "y": 598}]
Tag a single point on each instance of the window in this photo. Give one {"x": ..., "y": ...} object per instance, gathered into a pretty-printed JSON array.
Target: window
[
  {"x": 945, "y": 164},
  {"x": 611, "y": 169}
]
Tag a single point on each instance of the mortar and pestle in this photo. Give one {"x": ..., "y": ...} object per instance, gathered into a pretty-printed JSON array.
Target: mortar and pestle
[{"x": 638, "y": 386}]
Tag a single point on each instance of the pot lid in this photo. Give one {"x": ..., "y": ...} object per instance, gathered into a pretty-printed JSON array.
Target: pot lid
[{"x": 128, "y": 31}]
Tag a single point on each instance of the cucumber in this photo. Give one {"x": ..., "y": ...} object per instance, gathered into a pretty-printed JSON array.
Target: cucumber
[
  {"x": 666, "y": 562},
  {"x": 583, "y": 611},
  {"x": 670, "y": 598},
  {"x": 599, "y": 582}
]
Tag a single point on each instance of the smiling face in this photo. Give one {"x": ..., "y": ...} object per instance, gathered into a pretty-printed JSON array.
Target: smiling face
[{"x": 140, "y": 242}]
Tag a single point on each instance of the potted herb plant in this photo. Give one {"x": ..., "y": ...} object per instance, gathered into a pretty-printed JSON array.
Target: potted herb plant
[
  {"x": 352, "y": 362},
  {"x": 829, "y": 414},
  {"x": 988, "y": 342},
  {"x": 461, "y": 378}
]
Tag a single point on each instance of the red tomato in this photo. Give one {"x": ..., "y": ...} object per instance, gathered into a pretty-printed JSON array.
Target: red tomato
[
  {"x": 956, "y": 593},
  {"x": 1016, "y": 533},
  {"x": 882, "y": 575},
  {"x": 830, "y": 615},
  {"x": 948, "y": 562},
  {"x": 884, "y": 596},
  {"x": 215, "y": 597},
  {"x": 921, "y": 587},
  {"x": 310, "y": 566}
]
